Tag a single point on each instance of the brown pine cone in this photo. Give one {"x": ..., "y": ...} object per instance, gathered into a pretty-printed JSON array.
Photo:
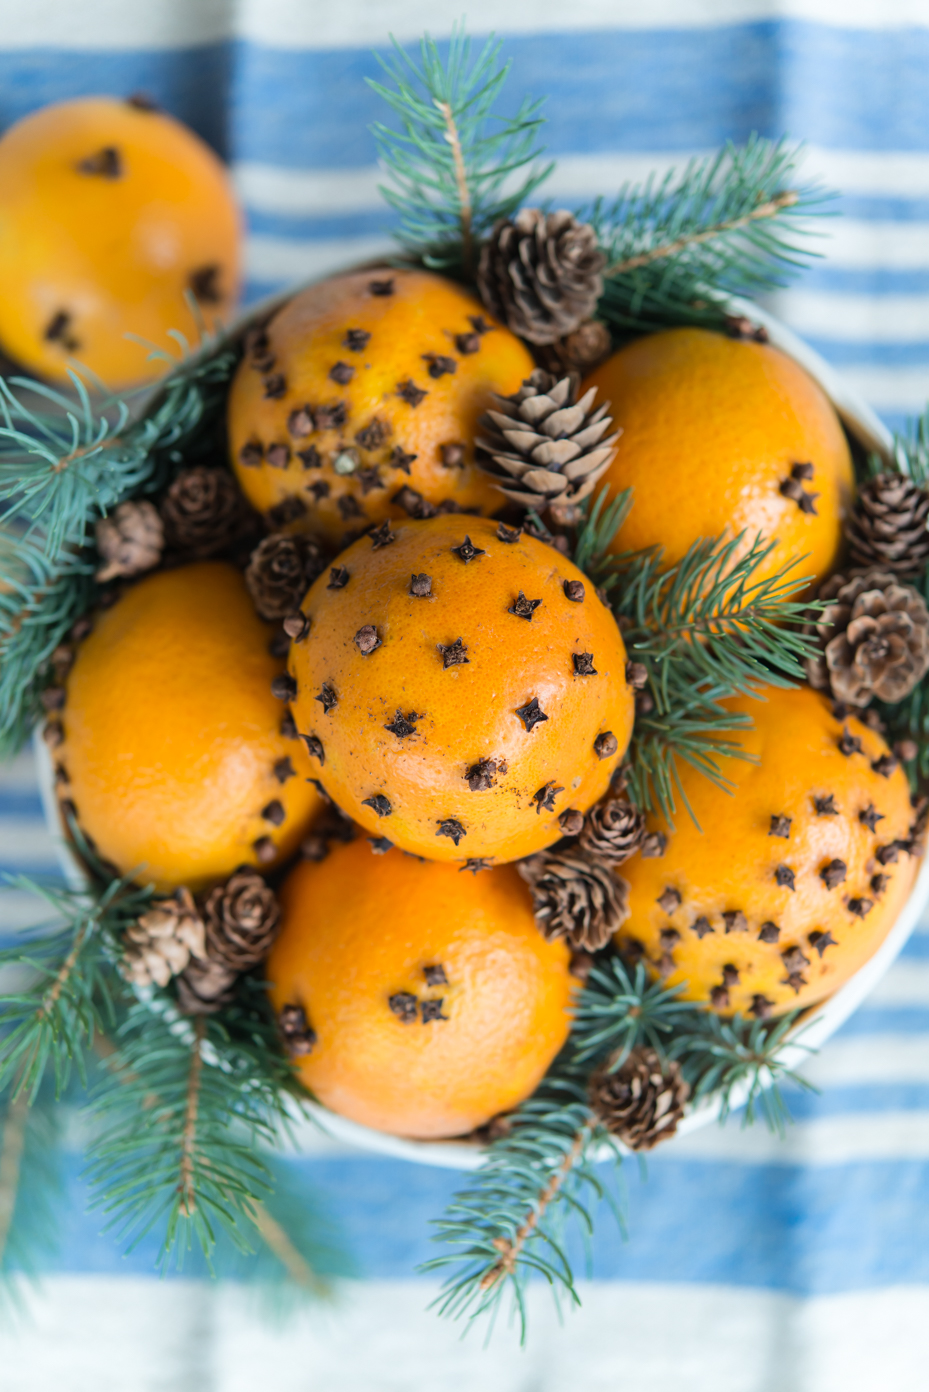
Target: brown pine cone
[
  {"x": 204, "y": 987},
  {"x": 204, "y": 512},
  {"x": 888, "y": 526},
  {"x": 641, "y": 1102},
  {"x": 163, "y": 940},
  {"x": 541, "y": 274},
  {"x": 874, "y": 636},
  {"x": 242, "y": 918},
  {"x": 546, "y": 448},
  {"x": 280, "y": 572},
  {"x": 581, "y": 351},
  {"x": 613, "y": 831},
  {"x": 575, "y": 898},
  {"x": 130, "y": 540}
]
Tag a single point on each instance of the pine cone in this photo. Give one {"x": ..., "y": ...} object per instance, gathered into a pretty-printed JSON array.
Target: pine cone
[
  {"x": 613, "y": 831},
  {"x": 242, "y": 918},
  {"x": 205, "y": 987},
  {"x": 888, "y": 526},
  {"x": 280, "y": 572},
  {"x": 204, "y": 512},
  {"x": 641, "y": 1102},
  {"x": 130, "y": 540},
  {"x": 541, "y": 274},
  {"x": 163, "y": 940},
  {"x": 874, "y": 636},
  {"x": 574, "y": 898},
  {"x": 546, "y": 446},
  {"x": 581, "y": 351}
]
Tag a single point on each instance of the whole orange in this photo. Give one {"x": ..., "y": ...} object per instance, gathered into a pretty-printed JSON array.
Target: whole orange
[
  {"x": 723, "y": 436},
  {"x": 460, "y": 691},
  {"x": 435, "y": 1000},
  {"x": 110, "y": 213},
  {"x": 793, "y": 882},
  {"x": 360, "y": 401},
  {"x": 173, "y": 752}
]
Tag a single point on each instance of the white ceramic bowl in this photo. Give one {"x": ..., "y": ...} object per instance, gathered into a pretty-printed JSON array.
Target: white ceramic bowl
[{"x": 820, "y": 1022}]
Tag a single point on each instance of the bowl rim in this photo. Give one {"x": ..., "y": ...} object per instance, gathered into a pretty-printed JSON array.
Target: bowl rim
[{"x": 816, "y": 1026}]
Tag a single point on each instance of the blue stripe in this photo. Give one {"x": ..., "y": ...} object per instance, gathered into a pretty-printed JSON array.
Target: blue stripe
[
  {"x": 26, "y": 804},
  {"x": 809, "y": 1231},
  {"x": 192, "y": 84},
  {"x": 842, "y": 353},
  {"x": 873, "y": 1019}
]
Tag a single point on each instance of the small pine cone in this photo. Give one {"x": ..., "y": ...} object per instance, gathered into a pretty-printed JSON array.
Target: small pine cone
[
  {"x": 581, "y": 351},
  {"x": 130, "y": 540},
  {"x": 888, "y": 526},
  {"x": 205, "y": 987},
  {"x": 613, "y": 831},
  {"x": 280, "y": 572},
  {"x": 874, "y": 637},
  {"x": 163, "y": 940},
  {"x": 575, "y": 898},
  {"x": 545, "y": 447},
  {"x": 204, "y": 512},
  {"x": 242, "y": 918},
  {"x": 642, "y": 1102},
  {"x": 541, "y": 274}
]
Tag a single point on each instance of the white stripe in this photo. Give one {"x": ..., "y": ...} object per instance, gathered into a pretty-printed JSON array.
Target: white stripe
[
  {"x": 855, "y": 318},
  {"x": 19, "y": 775},
  {"x": 20, "y": 910},
  {"x": 873, "y": 1058},
  {"x": 903, "y": 389},
  {"x": 114, "y": 24},
  {"x": 26, "y": 843},
  {"x": 323, "y": 192},
  {"x": 286, "y": 259},
  {"x": 859, "y": 245},
  {"x": 355, "y": 23},
  {"x": 128, "y": 1334},
  {"x": 833, "y": 1140},
  {"x": 906, "y": 984}
]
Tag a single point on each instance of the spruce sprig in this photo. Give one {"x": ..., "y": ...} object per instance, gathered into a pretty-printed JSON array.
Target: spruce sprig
[
  {"x": 212, "y": 1093},
  {"x": 455, "y": 165},
  {"x": 68, "y": 995},
  {"x": 621, "y": 1008},
  {"x": 740, "y": 1062},
  {"x": 30, "y": 1187},
  {"x": 735, "y": 223}
]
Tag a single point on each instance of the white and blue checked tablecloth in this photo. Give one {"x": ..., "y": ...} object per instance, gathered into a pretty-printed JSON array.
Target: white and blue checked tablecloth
[{"x": 752, "y": 1265}]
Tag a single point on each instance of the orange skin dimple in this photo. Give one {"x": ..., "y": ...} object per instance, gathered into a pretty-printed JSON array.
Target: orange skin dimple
[
  {"x": 172, "y": 733},
  {"x": 115, "y": 254},
  {"x": 359, "y": 928},
  {"x": 712, "y": 427},
  {"x": 465, "y": 712},
  {"x": 307, "y": 339},
  {"x": 731, "y": 866}
]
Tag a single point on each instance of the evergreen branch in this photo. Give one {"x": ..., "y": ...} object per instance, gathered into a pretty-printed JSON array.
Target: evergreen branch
[
  {"x": 736, "y": 223},
  {"x": 293, "y": 1261},
  {"x": 621, "y": 1009},
  {"x": 721, "y": 1057},
  {"x": 710, "y": 234},
  {"x": 12, "y": 1146},
  {"x": 455, "y": 166},
  {"x": 50, "y": 1022},
  {"x": 30, "y": 1185}
]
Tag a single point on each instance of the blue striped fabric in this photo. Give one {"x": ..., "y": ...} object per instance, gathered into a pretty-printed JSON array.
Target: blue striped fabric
[{"x": 278, "y": 87}]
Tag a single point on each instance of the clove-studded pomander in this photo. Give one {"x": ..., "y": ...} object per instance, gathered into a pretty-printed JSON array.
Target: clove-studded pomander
[
  {"x": 724, "y": 435},
  {"x": 113, "y": 215},
  {"x": 173, "y": 747},
  {"x": 889, "y": 526},
  {"x": 359, "y": 402},
  {"x": 545, "y": 447},
  {"x": 793, "y": 879},
  {"x": 873, "y": 636},
  {"x": 641, "y": 1101},
  {"x": 462, "y": 690},
  {"x": 434, "y": 1001},
  {"x": 541, "y": 273}
]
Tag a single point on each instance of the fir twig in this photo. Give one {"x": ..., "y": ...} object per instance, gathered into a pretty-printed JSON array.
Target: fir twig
[
  {"x": 709, "y": 234},
  {"x": 12, "y": 1145},
  {"x": 455, "y": 166},
  {"x": 621, "y": 1009}
]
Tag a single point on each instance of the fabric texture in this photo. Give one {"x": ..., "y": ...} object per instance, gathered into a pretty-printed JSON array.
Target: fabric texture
[{"x": 752, "y": 1265}]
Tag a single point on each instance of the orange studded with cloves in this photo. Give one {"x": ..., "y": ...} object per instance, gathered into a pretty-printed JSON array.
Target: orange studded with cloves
[
  {"x": 179, "y": 759},
  {"x": 790, "y": 884},
  {"x": 413, "y": 998},
  {"x": 114, "y": 216},
  {"x": 359, "y": 401},
  {"x": 461, "y": 688}
]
